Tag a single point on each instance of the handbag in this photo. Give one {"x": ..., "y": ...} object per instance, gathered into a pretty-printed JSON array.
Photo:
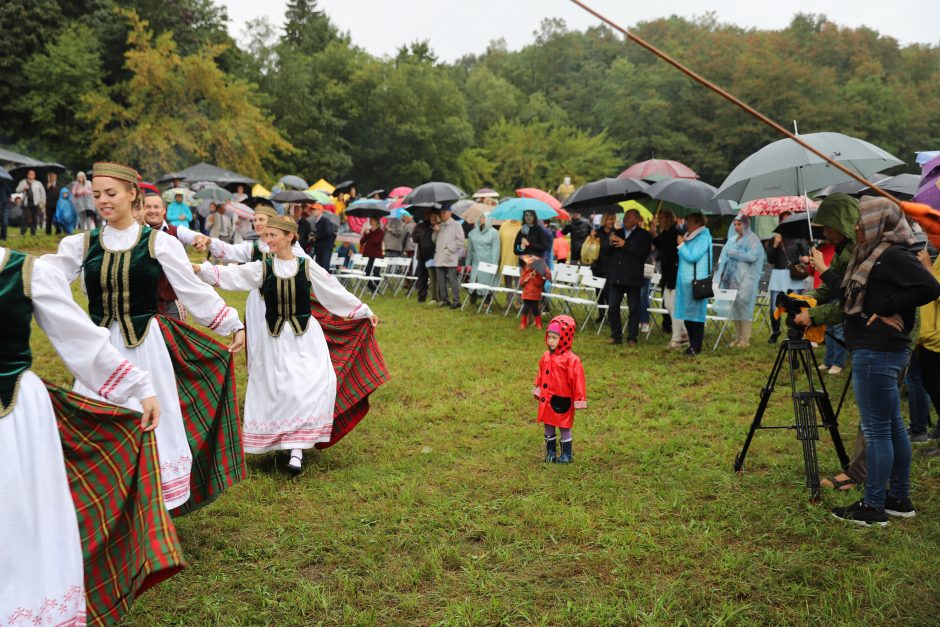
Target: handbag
[{"x": 702, "y": 288}]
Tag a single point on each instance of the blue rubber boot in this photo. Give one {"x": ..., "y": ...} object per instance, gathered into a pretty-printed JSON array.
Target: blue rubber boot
[
  {"x": 551, "y": 451},
  {"x": 566, "y": 455}
]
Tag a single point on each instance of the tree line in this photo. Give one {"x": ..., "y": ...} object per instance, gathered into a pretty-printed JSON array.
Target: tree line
[{"x": 161, "y": 84}]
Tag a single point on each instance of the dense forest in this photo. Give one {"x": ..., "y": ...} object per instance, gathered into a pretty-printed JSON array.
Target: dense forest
[{"x": 161, "y": 84}]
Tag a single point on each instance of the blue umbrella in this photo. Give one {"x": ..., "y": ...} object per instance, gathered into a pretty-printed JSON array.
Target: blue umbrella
[{"x": 513, "y": 209}]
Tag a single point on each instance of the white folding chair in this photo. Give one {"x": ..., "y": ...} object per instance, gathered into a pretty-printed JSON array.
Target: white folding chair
[
  {"x": 724, "y": 298},
  {"x": 657, "y": 304},
  {"x": 396, "y": 271},
  {"x": 490, "y": 270}
]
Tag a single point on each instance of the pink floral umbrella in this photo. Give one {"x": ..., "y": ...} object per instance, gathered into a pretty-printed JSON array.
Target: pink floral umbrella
[
  {"x": 776, "y": 205},
  {"x": 658, "y": 168}
]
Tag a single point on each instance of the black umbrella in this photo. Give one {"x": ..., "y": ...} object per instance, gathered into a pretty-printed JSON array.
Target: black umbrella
[
  {"x": 420, "y": 211},
  {"x": 604, "y": 193},
  {"x": 342, "y": 187},
  {"x": 434, "y": 192},
  {"x": 291, "y": 195},
  {"x": 254, "y": 201},
  {"x": 852, "y": 188},
  {"x": 903, "y": 186},
  {"x": 41, "y": 170},
  {"x": 172, "y": 176},
  {"x": 368, "y": 209},
  {"x": 693, "y": 195},
  {"x": 794, "y": 227}
]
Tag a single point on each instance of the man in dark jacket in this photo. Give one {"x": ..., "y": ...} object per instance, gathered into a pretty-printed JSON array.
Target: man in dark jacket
[
  {"x": 578, "y": 228},
  {"x": 627, "y": 250},
  {"x": 424, "y": 252},
  {"x": 324, "y": 237},
  {"x": 52, "y": 196}
]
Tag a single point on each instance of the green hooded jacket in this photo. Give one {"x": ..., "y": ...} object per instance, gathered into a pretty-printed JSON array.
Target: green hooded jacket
[{"x": 840, "y": 213}]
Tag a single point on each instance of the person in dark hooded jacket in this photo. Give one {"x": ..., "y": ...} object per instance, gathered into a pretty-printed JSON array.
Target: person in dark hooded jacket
[
  {"x": 559, "y": 387},
  {"x": 532, "y": 238}
]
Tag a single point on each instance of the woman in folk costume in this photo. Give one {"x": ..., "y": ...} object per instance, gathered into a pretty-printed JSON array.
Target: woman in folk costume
[
  {"x": 740, "y": 267},
  {"x": 291, "y": 384},
  {"x": 357, "y": 360},
  {"x": 121, "y": 265},
  {"x": 69, "y": 493}
]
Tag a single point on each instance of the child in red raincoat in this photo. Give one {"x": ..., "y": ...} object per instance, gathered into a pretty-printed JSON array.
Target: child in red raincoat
[
  {"x": 531, "y": 281},
  {"x": 559, "y": 387}
]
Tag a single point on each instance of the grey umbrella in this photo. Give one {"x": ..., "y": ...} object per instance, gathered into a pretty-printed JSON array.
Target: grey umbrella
[
  {"x": 784, "y": 168},
  {"x": 4, "y": 175},
  {"x": 215, "y": 194},
  {"x": 692, "y": 195},
  {"x": 294, "y": 181}
]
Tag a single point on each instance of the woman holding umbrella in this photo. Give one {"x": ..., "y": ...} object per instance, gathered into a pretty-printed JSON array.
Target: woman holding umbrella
[{"x": 531, "y": 239}]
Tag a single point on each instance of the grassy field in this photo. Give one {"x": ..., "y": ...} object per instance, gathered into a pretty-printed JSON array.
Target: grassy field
[{"x": 438, "y": 509}]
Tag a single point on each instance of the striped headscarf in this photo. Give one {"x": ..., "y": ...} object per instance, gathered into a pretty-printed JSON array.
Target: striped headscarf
[{"x": 884, "y": 225}]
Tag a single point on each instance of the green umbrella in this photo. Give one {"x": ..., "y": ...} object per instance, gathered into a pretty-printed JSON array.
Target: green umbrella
[{"x": 320, "y": 196}]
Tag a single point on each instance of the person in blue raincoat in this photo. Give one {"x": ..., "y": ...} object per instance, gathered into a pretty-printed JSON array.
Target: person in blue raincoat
[
  {"x": 695, "y": 262},
  {"x": 482, "y": 247},
  {"x": 65, "y": 214},
  {"x": 739, "y": 268}
]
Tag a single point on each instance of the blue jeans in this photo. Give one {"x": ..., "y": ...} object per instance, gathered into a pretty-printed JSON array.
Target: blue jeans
[
  {"x": 918, "y": 401},
  {"x": 835, "y": 352},
  {"x": 875, "y": 377}
]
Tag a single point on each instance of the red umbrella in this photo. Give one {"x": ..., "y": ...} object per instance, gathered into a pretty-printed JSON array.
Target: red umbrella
[
  {"x": 548, "y": 199},
  {"x": 658, "y": 168},
  {"x": 400, "y": 192},
  {"x": 776, "y": 205}
]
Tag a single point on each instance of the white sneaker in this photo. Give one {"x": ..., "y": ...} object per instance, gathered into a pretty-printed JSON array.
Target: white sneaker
[
  {"x": 835, "y": 370},
  {"x": 823, "y": 367},
  {"x": 645, "y": 327}
]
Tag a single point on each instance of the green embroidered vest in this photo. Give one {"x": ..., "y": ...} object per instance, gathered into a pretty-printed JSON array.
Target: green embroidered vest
[
  {"x": 256, "y": 254},
  {"x": 122, "y": 286},
  {"x": 16, "y": 271},
  {"x": 286, "y": 300}
]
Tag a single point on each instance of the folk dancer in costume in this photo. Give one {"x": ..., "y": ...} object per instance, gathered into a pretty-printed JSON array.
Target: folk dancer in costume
[
  {"x": 60, "y": 453},
  {"x": 121, "y": 265},
  {"x": 357, "y": 360},
  {"x": 560, "y": 388},
  {"x": 291, "y": 383}
]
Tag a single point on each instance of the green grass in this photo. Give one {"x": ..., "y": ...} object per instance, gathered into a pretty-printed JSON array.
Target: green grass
[{"x": 438, "y": 510}]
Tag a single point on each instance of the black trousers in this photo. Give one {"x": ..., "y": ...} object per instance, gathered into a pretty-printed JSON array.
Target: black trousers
[
  {"x": 50, "y": 219},
  {"x": 29, "y": 218},
  {"x": 696, "y": 332},
  {"x": 615, "y": 294},
  {"x": 423, "y": 278}
]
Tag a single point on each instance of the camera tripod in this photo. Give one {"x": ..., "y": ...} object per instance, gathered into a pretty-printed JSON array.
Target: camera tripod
[{"x": 799, "y": 357}]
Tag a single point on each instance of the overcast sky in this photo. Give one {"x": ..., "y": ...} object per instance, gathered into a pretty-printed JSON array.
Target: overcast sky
[{"x": 459, "y": 27}]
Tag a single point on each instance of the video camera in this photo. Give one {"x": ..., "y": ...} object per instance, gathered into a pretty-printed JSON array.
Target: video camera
[{"x": 792, "y": 306}]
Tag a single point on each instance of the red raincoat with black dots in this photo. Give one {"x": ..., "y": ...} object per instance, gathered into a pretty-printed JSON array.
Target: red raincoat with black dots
[{"x": 559, "y": 386}]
